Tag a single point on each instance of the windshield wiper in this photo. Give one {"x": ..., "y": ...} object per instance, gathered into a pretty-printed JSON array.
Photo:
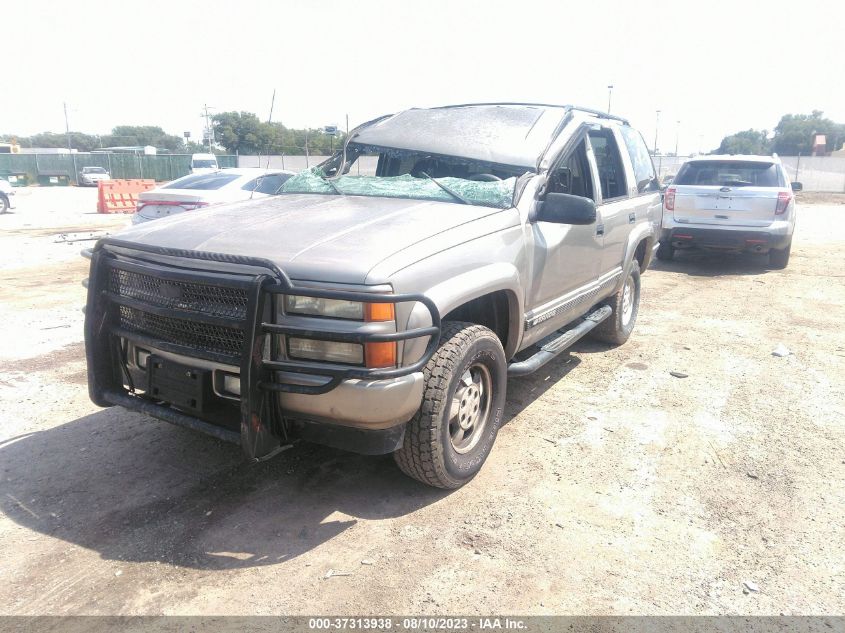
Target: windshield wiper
[{"x": 448, "y": 190}]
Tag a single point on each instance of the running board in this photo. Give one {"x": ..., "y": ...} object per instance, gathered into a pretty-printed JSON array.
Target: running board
[{"x": 558, "y": 342}]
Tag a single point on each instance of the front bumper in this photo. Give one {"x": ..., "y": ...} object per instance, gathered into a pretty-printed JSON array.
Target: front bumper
[
  {"x": 749, "y": 239},
  {"x": 278, "y": 397}
]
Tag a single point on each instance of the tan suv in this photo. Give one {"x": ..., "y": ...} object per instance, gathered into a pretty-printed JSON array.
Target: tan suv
[
  {"x": 383, "y": 313},
  {"x": 734, "y": 203}
]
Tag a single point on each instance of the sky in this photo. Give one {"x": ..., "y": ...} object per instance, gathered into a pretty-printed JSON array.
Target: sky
[{"x": 711, "y": 68}]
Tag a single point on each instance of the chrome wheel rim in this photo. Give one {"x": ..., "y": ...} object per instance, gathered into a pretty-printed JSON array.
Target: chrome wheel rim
[
  {"x": 470, "y": 408},
  {"x": 628, "y": 301}
]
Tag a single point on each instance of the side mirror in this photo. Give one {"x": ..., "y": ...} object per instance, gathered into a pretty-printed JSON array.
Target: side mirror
[
  {"x": 562, "y": 208},
  {"x": 797, "y": 186}
]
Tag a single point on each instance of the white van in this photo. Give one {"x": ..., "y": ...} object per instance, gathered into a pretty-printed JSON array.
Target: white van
[{"x": 203, "y": 163}]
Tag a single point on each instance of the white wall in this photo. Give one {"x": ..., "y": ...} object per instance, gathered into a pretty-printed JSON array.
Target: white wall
[
  {"x": 816, "y": 173},
  {"x": 298, "y": 163}
]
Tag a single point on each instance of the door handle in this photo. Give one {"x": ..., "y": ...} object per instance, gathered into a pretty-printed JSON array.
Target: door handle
[
  {"x": 600, "y": 229},
  {"x": 632, "y": 218}
]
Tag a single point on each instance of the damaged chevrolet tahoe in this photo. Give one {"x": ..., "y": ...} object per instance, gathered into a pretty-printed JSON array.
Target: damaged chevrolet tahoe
[{"x": 383, "y": 313}]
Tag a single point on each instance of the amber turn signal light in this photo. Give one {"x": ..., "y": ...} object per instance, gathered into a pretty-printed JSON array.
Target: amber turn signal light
[
  {"x": 379, "y": 312},
  {"x": 380, "y": 355}
]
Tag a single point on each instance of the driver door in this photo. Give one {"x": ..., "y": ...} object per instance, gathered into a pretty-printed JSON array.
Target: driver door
[{"x": 565, "y": 259}]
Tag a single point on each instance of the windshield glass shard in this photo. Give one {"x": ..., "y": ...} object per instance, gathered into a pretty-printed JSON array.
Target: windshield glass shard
[{"x": 497, "y": 194}]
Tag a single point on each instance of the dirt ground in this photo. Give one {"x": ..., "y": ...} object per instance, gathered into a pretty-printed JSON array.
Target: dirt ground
[{"x": 614, "y": 487}]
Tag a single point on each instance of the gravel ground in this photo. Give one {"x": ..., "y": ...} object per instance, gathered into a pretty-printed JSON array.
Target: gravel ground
[{"x": 614, "y": 487}]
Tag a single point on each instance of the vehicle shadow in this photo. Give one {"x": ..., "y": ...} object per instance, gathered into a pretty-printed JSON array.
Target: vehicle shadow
[
  {"x": 136, "y": 489},
  {"x": 525, "y": 390},
  {"x": 713, "y": 264}
]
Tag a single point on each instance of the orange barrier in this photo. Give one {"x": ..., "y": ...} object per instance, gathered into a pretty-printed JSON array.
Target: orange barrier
[{"x": 120, "y": 196}]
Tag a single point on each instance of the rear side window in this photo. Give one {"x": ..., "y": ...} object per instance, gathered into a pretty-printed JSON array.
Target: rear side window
[
  {"x": 609, "y": 163},
  {"x": 730, "y": 173},
  {"x": 640, "y": 159},
  {"x": 266, "y": 184},
  {"x": 202, "y": 181}
]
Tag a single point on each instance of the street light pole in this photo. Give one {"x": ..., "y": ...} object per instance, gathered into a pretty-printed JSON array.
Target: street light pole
[
  {"x": 209, "y": 131},
  {"x": 656, "y": 127},
  {"x": 677, "y": 134},
  {"x": 609, "y": 95}
]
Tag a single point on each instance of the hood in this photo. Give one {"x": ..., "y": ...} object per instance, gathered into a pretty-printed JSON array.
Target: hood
[{"x": 316, "y": 237}]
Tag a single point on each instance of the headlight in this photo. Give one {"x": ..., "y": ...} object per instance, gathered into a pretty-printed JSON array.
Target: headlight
[
  {"x": 333, "y": 308},
  {"x": 328, "y": 351},
  {"x": 338, "y": 309}
]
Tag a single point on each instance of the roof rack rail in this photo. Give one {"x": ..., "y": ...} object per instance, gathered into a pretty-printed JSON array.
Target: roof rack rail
[{"x": 598, "y": 113}]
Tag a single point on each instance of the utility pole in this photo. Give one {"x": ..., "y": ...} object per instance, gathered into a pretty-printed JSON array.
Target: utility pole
[
  {"x": 67, "y": 127},
  {"x": 209, "y": 131},
  {"x": 609, "y": 95},
  {"x": 656, "y": 127},
  {"x": 269, "y": 121},
  {"x": 677, "y": 134}
]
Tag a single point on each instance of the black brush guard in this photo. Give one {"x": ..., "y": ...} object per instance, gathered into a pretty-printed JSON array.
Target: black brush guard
[{"x": 261, "y": 425}]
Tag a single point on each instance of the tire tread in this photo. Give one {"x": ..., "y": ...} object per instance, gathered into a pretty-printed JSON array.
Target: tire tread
[
  {"x": 610, "y": 330},
  {"x": 419, "y": 456}
]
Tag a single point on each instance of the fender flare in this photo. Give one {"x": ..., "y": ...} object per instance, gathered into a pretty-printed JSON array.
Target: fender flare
[
  {"x": 640, "y": 233},
  {"x": 460, "y": 289}
]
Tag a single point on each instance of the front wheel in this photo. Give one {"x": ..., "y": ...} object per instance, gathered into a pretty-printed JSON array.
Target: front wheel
[
  {"x": 617, "y": 328},
  {"x": 452, "y": 433},
  {"x": 4, "y": 203}
]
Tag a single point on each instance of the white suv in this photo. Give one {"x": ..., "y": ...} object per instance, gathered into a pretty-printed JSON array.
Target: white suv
[{"x": 735, "y": 203}]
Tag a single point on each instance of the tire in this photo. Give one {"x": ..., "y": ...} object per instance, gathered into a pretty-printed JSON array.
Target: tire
[
  {"x": 438, "y": 449},
  {"x": 779, "y": 257},
  {"x": 665, "y": 252},
  {"x": 4, "y": 203},
  {"x": 617, "y": 328}
]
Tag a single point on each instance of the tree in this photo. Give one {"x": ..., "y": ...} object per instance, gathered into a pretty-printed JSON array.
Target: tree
[
  {"x": 122, "y": 135},
  {"x": 237, "y": 132},
  {"x": 240, "y": 132},
  {"x": 78, "y": 140},
  {"x": 244, "y": 133},
  {"x": 795, "y": 133},
  {"x": 746, "y": 142}
]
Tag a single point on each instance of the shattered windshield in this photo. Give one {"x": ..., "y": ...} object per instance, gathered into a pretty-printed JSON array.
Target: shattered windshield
[{"x": 391, "y": 173}]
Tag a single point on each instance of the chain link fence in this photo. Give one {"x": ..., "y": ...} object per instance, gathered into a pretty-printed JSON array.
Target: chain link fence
[{"x": 39, "y": 168}]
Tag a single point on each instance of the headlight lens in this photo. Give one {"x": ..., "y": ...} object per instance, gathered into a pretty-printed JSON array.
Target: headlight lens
[
  {"x": 328, "y": 351},
  {"x": 315, "y": 306},
  {"x": 339, "y": 309}
]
